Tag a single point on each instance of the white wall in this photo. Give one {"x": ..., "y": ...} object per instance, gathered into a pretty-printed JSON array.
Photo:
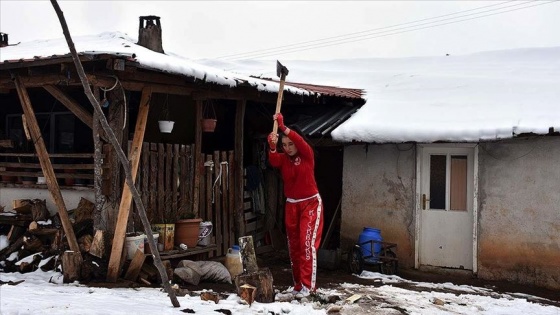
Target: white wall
[{"x": 71, "y": 197}]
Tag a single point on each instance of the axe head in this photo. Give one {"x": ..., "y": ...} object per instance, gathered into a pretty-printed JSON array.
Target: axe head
[{"x": 281, "y": 71}]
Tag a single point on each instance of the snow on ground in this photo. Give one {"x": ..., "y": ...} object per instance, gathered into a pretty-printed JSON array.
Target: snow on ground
[{"x": 44, "y": 293}]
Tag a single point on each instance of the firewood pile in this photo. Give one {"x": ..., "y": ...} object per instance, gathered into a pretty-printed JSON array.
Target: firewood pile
[{"x": 36, "y": 238}]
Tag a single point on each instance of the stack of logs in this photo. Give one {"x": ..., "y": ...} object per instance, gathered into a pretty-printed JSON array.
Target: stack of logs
[
  {"x": 33, "y": 233},
  {"x": 36, "y": 240}
]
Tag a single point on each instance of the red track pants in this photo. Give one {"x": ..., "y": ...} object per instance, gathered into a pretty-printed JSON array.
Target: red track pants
[{"x": 304, "y": 226}]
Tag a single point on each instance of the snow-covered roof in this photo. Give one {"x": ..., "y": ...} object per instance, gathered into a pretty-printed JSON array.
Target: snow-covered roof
[
  {"x": 483, "y": 96},
  {"x": 120, "y": 44}
]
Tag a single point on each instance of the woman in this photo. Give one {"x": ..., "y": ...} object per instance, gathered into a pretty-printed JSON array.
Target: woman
[{"x": 304, "y": 208}]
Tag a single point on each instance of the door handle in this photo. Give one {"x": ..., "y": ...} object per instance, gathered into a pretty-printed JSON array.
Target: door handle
[{"x": 424, "y": 200}]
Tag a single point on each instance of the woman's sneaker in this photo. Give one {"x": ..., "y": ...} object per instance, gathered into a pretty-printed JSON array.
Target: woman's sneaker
[{"x": 304, "y": 292}]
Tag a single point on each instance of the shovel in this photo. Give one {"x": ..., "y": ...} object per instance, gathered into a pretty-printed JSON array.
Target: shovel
[{"x": 282, "y": 72}]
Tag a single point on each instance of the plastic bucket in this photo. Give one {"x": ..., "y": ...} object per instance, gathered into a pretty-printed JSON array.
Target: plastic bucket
[
  {"x": 147, "y": 249},
  {"x": 233, "y": 261},
  {"x": 204, "y": 233},
  {"x": 133, "y": 243},
  {"x": 370, "y": 250}
]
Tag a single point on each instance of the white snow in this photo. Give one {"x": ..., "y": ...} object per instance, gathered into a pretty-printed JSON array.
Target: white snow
[
  {"x": 116, "y": 43},
  {"x": 44, "y": 292},
  {"x": 483, "y": 96}
]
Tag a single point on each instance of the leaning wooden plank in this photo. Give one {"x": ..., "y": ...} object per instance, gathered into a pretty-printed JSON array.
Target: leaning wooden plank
[
  {"x": 120, "y": 154},
  {"x": 126, "y": 199},
  {"x": 46, "y": 165},
  {"x": 135, "y": 266}
]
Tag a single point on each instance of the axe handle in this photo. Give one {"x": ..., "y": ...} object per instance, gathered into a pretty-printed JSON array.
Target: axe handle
[{"x": 279, "y": 102}]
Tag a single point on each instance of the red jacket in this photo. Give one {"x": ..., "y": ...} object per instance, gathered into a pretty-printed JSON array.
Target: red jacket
[{"x": 297, "y": 171}]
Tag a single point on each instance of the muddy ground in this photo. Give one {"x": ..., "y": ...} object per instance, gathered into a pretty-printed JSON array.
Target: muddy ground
[{"x": 279, "y": 263}]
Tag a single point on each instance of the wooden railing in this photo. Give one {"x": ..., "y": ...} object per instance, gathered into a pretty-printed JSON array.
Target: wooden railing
[{"x": 28, "y": 173}]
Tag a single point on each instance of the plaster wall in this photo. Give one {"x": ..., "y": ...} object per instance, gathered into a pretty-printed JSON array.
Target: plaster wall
[
  {"x": 378, "y": 191},
  {"x": 71, "y": 197},
  {"x": 519, "y": 211}
]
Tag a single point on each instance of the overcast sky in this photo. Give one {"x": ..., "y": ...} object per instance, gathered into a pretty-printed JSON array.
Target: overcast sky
[{"x": 210, "y": 29}]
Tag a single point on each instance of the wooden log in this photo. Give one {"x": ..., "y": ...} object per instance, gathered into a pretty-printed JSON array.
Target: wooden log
[
  {"x": 84, "y": 211},
  {"x": 32, "y": 244},
  {"x": 25, "y": 267},
  {"x": 135, "y": 266},
  {"x": 15, "y": 232},
  {"x": 248, "y": 257},
  {"x": 39, "y": 210},
  {"x": 14, "y": 246},
  {"x": 262, "y": 280},
  {"x": 97, "y": 248},
  {"x": 71, "y": 266},
  {"x": 22, "y": 206},
  {"x": 247, "y": 293}
]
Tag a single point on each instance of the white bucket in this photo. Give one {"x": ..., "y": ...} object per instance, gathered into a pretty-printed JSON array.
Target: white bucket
[
  {"x": 133, "y": 243},
  {"x": 205, "y": 233},
  {"x": 166, "y": 126}
]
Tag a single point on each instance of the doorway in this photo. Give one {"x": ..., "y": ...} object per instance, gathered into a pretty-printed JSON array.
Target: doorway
[{"x": 446, "y": 210}]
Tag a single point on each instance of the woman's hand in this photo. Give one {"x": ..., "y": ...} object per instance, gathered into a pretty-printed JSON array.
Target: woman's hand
[
  {"x": 280, "y": 119},
  {"x": 272, "y": 140}
]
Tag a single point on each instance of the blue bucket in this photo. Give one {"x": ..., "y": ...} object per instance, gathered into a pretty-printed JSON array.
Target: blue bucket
[{"x": 367, "y": 235}]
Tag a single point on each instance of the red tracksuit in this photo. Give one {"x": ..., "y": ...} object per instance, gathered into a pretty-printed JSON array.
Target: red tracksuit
[{"x": 304, "y": 210}]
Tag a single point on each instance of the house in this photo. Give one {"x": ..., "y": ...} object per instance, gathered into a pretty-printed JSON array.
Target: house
[
  {"x": 456, "y": 159},
  {"x": 190, "y": 169}
]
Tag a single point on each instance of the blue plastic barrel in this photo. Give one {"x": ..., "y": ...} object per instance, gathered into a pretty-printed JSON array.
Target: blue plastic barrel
[{"x": 367, "y": 235}]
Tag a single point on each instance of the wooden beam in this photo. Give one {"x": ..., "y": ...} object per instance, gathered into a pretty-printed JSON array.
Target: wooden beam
[
  {"x": 238, "y": 167},
  {"x": 124, "y": 209},
  {"x": 46, "y": 165},
  {"x": 197, "y": 154},
  {"x": 71, "y": 104}
]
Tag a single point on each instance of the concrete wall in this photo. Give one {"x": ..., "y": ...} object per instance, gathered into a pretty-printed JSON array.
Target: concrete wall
[
  {"x": 378, "y": 191},
  {"x": 519, "y": 211},
  {"x": 71, "y": 197},
  {"x": 518, "y": 205}
]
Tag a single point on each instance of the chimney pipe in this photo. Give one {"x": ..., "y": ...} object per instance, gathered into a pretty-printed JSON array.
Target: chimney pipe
[
  {"x": 149, "y": 33},
  {"x": 3, "y": 39}
]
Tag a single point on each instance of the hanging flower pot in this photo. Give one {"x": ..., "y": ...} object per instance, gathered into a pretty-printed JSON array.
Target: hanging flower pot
[
  {"x": 209, "y": 121},
  {"x": 209, "y": 124},
  {"x": 166, "y": 126}
]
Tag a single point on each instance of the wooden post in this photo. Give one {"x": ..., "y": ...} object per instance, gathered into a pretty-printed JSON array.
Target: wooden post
[
  {"x": 238, "y": 167},
  {"x": 197, "y": 153},
  {"x": 126, "y": 199},
  {"x": 135, "y": 266},
  {"x": 46, "y": 165}
]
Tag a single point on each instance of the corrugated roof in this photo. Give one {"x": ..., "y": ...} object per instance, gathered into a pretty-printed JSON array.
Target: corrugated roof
[
  {"x": 325, "y": 123},
  {"x": 325, "y": 89}
]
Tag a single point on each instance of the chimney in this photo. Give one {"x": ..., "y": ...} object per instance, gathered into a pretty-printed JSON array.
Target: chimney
[
  {"x": 149, "y": 33},
  {"x": 3, "y": 39}
]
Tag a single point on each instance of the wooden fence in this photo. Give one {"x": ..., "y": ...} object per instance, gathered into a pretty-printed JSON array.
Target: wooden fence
[{"x": 166, "y": 184}]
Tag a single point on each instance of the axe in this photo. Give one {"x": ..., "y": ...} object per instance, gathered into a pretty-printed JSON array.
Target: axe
[{"x": 282, "y": 72}]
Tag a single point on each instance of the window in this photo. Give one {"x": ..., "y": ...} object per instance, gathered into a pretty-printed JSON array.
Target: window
[{"x": 448, "y": 182}]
